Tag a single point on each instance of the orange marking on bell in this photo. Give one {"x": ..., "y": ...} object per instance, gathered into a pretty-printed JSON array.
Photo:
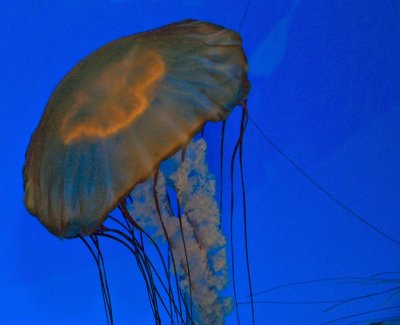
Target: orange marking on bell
[{"x": 114, "y": 99}]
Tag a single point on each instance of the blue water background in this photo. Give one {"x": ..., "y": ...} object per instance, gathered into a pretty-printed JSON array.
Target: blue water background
[{"x": 325, "y": 88}]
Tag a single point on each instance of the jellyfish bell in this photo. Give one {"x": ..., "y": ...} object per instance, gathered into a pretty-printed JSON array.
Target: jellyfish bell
[{"x": 120, "y": 112}]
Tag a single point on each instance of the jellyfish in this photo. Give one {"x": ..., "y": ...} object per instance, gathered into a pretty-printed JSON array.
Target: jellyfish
[{"x": 121, "y": 131}]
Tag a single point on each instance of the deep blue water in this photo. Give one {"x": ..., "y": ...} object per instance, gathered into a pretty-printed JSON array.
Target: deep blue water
[{"x": 325, "y": 88}]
